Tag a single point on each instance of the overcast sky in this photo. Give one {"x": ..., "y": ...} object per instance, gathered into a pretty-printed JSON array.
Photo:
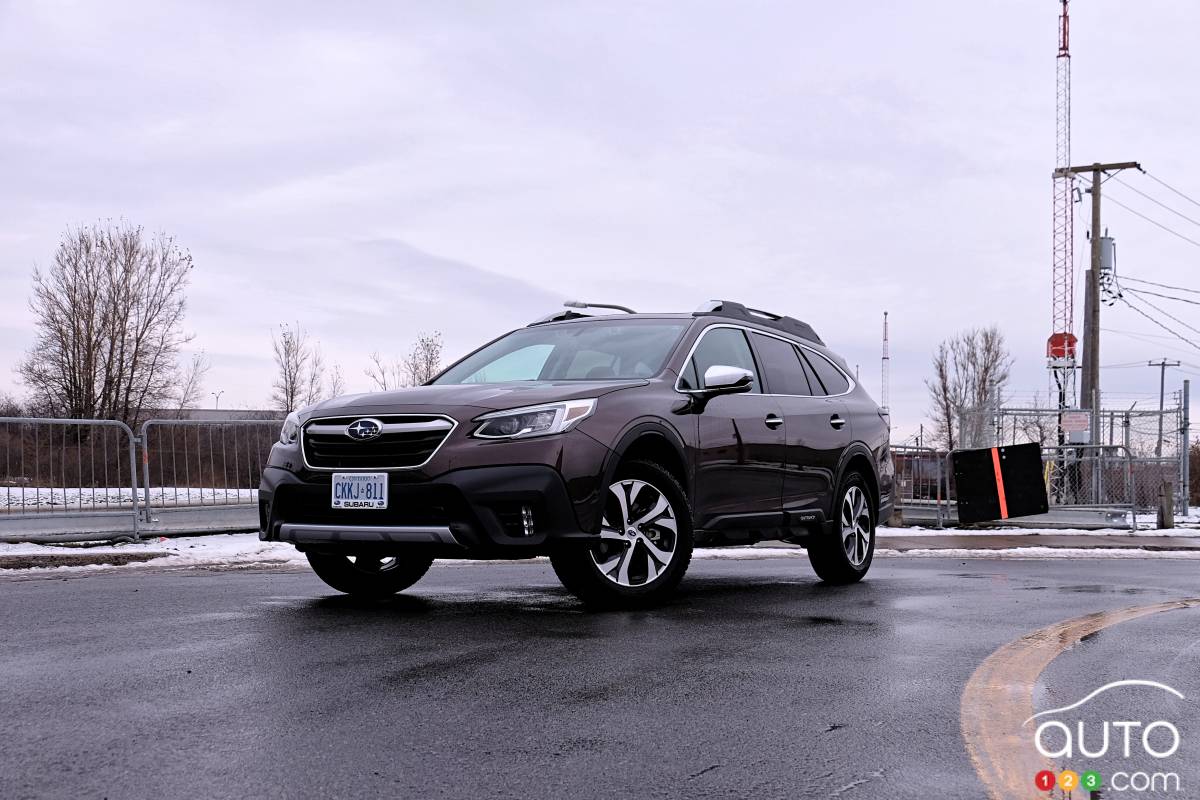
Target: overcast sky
[{"x": 374, "y": 170}]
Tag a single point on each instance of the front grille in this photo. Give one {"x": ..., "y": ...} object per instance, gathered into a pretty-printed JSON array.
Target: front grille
[{"x": 410, "y": 445}]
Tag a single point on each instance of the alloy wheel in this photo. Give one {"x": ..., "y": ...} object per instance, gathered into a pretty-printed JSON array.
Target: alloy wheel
[
  {"x": 856, "y": 525},
  {"x": 638, "y": 533}
]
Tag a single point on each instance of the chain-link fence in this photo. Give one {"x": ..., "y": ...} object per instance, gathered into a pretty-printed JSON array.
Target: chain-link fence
[
  {"x": 1155, "y": 442},
  {"x": 1076, "y": 477}
]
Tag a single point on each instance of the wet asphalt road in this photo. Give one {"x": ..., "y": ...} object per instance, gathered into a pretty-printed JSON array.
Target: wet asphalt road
[{"x": 490, "y": 681}]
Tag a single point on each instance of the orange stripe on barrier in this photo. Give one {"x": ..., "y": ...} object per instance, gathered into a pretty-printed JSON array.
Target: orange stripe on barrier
[{"x": 999, "y": 483}]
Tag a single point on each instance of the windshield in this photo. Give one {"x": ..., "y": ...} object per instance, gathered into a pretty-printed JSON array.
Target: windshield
[{"x": 579, "y": 351}]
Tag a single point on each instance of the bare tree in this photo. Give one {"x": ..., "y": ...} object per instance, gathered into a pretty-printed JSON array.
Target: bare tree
[
  {"x": 424, "y": 360},
  {"x": 109, "y": 314},
  {"x": 422, "y": 364},
  {"x": 385, "y": 375},
  {"x": 191, "y": 382},
  {"x": 314, "y": 381},
  {"x": 337, "y": 382},
  {"x": 292, "y": 354},
  {"x": 300, "y": 378},
  {"x": 970, "y": 372},
  {"x": 11, "y": 407}
]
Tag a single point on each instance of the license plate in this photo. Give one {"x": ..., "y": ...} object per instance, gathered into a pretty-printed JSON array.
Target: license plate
[{"x": 360, "y": 490}]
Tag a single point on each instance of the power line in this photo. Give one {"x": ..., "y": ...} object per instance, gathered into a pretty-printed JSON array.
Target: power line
[
  {"x": 1170, "y": 187},
  {"x": 1156, "y": 340},
  {"x": 1164, "y": 296},
  {"x": 1160, "y": 285},
  {"x": 1178, "y": 336},
  {"x": 1156, "y": 223},
  {"x": 1153, "y": 200},
  {"x": 1168, "y": 315}
]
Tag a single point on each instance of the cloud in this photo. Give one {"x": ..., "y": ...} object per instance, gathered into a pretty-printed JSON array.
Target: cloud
[{"x": 474, "y": 165}]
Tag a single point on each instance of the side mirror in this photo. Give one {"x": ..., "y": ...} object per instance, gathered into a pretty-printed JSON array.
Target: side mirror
[{"x": 720, "y": 379}]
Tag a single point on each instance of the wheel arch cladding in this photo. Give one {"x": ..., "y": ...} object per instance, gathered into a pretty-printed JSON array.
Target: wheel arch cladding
[
  {"x": 651, "y": 443},
  {"x": 859, "y": 460}
]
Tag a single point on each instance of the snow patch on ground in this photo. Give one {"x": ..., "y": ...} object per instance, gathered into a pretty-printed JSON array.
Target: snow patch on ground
[
  {"x": 21, "y": 499},
  {"x": 245, "y": 550},
  {"x": 884, "y": 532},
  {"x": 1042, "y": 553}
]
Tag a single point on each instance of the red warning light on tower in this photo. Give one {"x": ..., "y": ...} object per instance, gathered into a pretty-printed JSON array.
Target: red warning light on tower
[{"x": 1061, "y": 345}]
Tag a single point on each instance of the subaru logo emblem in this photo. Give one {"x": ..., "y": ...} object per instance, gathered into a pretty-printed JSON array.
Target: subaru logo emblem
[{"x": 364, "y": 429}]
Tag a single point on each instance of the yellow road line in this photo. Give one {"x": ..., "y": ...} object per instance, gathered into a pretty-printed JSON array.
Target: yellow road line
[{"x": 999, "y": 698}]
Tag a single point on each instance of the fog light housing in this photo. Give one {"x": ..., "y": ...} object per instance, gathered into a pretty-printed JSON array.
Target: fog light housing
[{"x": 527, "y": 520}]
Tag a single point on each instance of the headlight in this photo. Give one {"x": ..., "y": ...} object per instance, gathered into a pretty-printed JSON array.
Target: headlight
[
  {"x": 523, "y": 423},
  {"x": 291, "y": 428}
]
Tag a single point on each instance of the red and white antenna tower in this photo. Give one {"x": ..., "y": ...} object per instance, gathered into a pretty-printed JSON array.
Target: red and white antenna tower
[
  {"x": 1060, "y": 348},
  {"x": 886, "y": 404}
]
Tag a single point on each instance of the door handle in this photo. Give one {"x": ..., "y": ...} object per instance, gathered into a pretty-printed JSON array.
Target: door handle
[
  {"x": 836, "y": 422},
  {"x": 773, "y": 421}
]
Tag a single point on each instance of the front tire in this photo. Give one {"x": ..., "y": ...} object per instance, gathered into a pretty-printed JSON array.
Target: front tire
[
  {"x": 645, "y": 542},
  {"x": 374, "y": 577},
  {"x": 845, "y": 554}
]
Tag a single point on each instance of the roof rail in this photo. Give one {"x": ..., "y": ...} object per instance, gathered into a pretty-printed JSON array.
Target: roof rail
[
  {"x": 559, "y": 316},
  {"x": 578, "y": 304},
  {"x": 729, "y": 308}
]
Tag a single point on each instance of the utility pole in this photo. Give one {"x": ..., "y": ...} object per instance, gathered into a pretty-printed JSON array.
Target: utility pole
[
  {"x": 1090, "y": 379},
  {"x": 1162, "y": 391}
]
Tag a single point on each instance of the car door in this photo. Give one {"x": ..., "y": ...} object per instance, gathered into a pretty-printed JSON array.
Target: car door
[
  {"x": 815, "y": 428},
  {"x": 739, "y": 439},
  {"x": 826, "y": 430}
]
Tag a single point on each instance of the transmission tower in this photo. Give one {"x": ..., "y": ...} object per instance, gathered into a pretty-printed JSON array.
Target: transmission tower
[{"x": 1060, "y": 348}]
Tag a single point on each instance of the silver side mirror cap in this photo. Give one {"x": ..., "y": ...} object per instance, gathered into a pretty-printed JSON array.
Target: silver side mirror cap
[{"x": 721, "y": 379}]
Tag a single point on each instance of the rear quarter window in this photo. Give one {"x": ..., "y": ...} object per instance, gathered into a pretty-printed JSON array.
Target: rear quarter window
[{"x": 830, "y": 376}]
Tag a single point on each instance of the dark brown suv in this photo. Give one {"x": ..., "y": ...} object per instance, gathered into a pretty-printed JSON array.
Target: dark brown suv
[{"x": 612, "y": 444}]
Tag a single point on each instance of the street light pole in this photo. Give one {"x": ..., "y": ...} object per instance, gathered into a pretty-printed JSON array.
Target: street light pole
[{"x": 217, "y": 395}]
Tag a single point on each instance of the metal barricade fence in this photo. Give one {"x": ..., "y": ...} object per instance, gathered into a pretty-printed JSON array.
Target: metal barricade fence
[
  {"x": 921, "y": 480},
  {"x": 67, "y": 467},
  {"x": 203, "y": 462}
]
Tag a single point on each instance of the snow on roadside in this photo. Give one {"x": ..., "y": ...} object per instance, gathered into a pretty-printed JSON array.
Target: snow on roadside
[
  {"x": 1042, "y": 553},
  {"x": 17, "y": 499},
  {"x": 884, "y": 532},
  {"x": 245, "y": 550}
]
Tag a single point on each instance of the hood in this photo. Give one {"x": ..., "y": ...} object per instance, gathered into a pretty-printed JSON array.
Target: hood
[{"x": 483, "y": 396}]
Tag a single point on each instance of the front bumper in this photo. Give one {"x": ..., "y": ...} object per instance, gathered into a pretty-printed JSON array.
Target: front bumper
[{"x": 478, "y": 512}]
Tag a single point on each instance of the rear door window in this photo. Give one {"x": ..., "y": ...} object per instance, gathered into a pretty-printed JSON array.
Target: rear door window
[{"x": 783, "y": 372}]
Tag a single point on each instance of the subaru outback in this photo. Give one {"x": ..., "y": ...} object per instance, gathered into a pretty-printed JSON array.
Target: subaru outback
[{"x": 613, "y": 443}]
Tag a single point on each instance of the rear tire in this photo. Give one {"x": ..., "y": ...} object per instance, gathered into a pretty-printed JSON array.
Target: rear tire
[
  {"x": 844, "y": 555},
  {"x": 645, "y": 544},
  {"x": 373, "y": 577}
]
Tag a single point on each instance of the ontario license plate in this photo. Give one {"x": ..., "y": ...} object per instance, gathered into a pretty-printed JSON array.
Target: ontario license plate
[{"x": 360, "y": 490}]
